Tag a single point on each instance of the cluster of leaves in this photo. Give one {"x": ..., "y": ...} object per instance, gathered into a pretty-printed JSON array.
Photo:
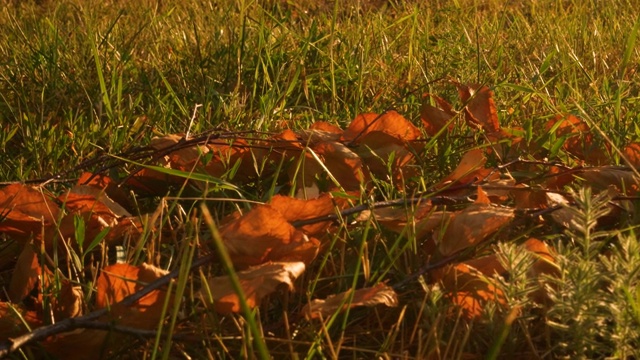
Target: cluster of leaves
[{"x": 328, "y": 172}]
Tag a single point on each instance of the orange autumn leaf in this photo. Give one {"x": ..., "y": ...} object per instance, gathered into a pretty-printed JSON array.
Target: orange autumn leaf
[
  {"x": 98, "y": 212},
  {"x": 471, "y": 284},
  {"x": 471, "y": 226},
  {"x": 184, "y": 159},
  {"x": 257, "y": 282},
  {"x": 11, "y": 320},
  {"x": 632, "y": 154},
  {"x": 25, "y": 274},
  {"x": 380, "y": 294},
  {"x": 470, "y": 169},
  {"x": 526, "y": 197},
  {"x": 579, "y": 141},
  {"x": 471, "y": 290},
  {"x": 263, "y": 234},
  {"x": 621, "y": 180},
  {"x": 376, "y": 148},
  {"x": 320, "y": 131},
  {"x": 107, "y": 185},
  {"x": 421, "y": 220},
  {"x": 480, "y": 109},
  {"x": 121, "y": 280},
  {"x": 25, "y": 210},
  {"x": 390, "y": 123},
  {"x": 82, "y": 344},
  {"x": 325, "y": 126},
  {"x": 435, "y": 118},
  {"x": 297, "y": 209},
  {"x": 325, "y": 162}
]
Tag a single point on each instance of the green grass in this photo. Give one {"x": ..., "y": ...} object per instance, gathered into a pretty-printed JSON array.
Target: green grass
[{"x": 79, "y": 79}]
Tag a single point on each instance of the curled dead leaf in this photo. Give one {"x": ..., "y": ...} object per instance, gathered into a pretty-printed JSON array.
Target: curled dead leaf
[
  {"x": 390, "y": 123},
  {"x": 257, "y": 282},
  {"x": 471, "y": 226},
  {"x": 380, "y": 294},
  {"x": 26, "y": 211},
  {"x": 480, "y": 109},
  {"x": 13, "y": 318},
  {"x": 121, "y": 280},
  {"x": 435, "y": 118},
  {"x": 297, "y": 209},
  {"x": 264, "y": 234}
]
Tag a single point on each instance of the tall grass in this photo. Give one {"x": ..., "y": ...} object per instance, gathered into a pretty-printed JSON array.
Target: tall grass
[{"x": 79, "y": 78}]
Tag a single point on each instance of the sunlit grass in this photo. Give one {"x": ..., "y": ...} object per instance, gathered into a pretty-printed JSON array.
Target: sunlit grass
[{"x": 83, "y": 78}]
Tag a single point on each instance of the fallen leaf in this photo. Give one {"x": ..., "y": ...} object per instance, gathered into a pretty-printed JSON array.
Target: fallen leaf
[
  {"x": 297, "y": 209},
  {"x": 26, "y": 211},
  {"x": 263, "y": 234},
  {"x": 380, "y": 294},
  {"x": 107, "y": 185},
  {"x": 623, "y": 180},
  {"x": 434, "y": 118},
  {"x": 579, "y": 141},
  {"x": 470, "y": 289},
  {"x": 13, "y": 318},
  {"x": 390, "y": 123},
  {"x": 257, "y": 282},
  {"x": 480, "y": 109},
  {"x": 377, "y": 148},
  {"x": 121, "y": 280},
  {"x": 326, "y": 162},
  {"x": 470, "y": 168},
  {"x": 68, "y": 302},
  {"x": 632, "y": 154},
  {"x": 25, "y": 274},
  {"x": 471, "y": 226}
]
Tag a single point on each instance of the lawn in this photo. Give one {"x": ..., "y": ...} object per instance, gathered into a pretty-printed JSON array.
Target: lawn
[{"x": 457, "y": 179}]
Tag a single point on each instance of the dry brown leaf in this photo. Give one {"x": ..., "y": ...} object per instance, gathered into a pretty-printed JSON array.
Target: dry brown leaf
[
  {"x": 297, "y": 209},
  {"x": 238, "y": 155},
  {"x": 545, "y": 258},
  {"x": 257, "y": 282},
  {"x": 526, "y": 197},
  {"x": 180, "y": 159},
  {"x": 471, "y": 284},
  {"x": 563, "y": 216},
  {"x": 121, "y": 280},
  {"x": 470, "y": 289},
  {"x": 471, "y": 226},
  {"x": 344, "y": 166},
  {"x": 184, "y": 159},
  {"x": 481, "y": 109},
  {"x": 25, "y": 274},
  {"x": 499, "y": 190},
  {"x": 263, "y": 234},
  {"x": 81, "y": 344},
  {"x": 98, "y": 212},
  {"x": 579, "y": 141},
  {"x": 469, "y": 169},
  {"x": 420, "y": 220},
  {"x": 434, "y": 118},
  {"x": 624, "y": 181},
  {"x": 632, "y": 154},
  {"x": 68, "y": 301},
  {"x": 107, "y": 185},
  {"x": 390, "y": 123},
  {"x": 11, "y": 320},
  {"x": 25, "y": 211},
  {"x": 376, "y": 148},
  {"x": 381, "y": 294},
  {"x": 325, "y": 126}
]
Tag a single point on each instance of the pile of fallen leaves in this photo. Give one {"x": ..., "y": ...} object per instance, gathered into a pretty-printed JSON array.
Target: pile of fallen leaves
[{"x": 55, "y": 246}]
